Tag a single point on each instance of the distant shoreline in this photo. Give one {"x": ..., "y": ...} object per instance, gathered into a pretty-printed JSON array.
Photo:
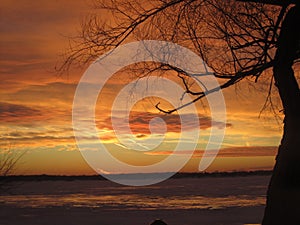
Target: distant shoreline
[{"x": 45, "y": 177}]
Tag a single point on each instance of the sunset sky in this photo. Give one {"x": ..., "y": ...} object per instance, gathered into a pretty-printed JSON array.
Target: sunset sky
[{"x": 36, "y": 102}]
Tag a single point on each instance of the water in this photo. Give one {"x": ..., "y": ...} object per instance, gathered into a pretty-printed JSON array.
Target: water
[
  {"x": 201, "y": 193},
  {"x": 132, "y": 202},
  {"x": 185, "y": 201}
]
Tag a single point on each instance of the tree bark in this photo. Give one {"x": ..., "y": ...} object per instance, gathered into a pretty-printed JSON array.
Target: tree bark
[{"x": 283, "y": 196}]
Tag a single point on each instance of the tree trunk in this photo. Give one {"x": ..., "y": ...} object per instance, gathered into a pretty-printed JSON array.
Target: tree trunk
[{"x": 283, "y": 196}]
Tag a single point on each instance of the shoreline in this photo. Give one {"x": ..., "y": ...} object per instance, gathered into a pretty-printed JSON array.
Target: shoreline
[{"x": 47, "y": 177}]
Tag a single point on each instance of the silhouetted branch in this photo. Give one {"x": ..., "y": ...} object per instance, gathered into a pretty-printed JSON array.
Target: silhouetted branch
[
  {"x": 8, "y": 160},
  {"x": 235, "y": 39},
  {"x": 273, "y": 2}
]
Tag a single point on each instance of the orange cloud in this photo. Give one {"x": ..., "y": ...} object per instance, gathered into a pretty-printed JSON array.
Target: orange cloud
[
  {"x": 252, "y": 151},
  {"x": 139, "y": 122},
  {"x": 17, "y": 113}
]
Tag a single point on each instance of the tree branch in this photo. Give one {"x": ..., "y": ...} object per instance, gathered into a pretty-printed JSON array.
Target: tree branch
[{"x": 273, "y": 2}]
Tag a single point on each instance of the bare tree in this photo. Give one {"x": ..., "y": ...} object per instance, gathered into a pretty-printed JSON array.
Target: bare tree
[
  {"x": 237, "y": 40},
  {"x": 8, "y": 162}
]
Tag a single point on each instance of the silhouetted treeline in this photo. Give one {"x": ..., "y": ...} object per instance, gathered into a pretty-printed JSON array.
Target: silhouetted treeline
[{"x": 45, "y": 177}]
